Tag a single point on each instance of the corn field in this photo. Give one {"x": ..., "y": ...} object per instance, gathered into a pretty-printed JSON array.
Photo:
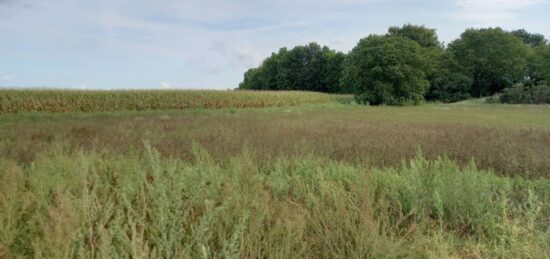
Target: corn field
[{"x": 137, "y": 100}]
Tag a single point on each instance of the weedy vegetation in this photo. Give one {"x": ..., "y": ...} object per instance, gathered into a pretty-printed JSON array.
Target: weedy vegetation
[
  {"x": 317, "y": 180},
  {"x": 141, "y": 205}
]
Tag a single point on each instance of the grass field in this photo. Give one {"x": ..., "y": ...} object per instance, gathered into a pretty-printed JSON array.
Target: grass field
[{"x": 315, "y": 180}]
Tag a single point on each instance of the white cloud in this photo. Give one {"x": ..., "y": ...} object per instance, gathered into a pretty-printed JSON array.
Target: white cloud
[
  {"x": 165, "y": 85},
  {"x": 492, "y": 11}
]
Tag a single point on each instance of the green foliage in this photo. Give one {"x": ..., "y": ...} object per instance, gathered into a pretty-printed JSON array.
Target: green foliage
[
  {"x": 494, "y": 58},
  {"x": 141, "y": 205},
  {"x": 449, "y": 87},
  {"x": 531, "y": 39},
  {"x": 449, "y": 82},
  {"x": 252, "y": 77},
  {"x": 465, "y": 202},
  {"x": 434, "y": 55},
  {"x": 265, "y": 76},
  {"x": 482, "y": 62},
  {"x": 386, "y": 70},
  {"x": 308, "y": 68},
  {"x": 541, "y": 63},
  {"x": 526, "y": 94},
  {"x": 426, "y": 37}
]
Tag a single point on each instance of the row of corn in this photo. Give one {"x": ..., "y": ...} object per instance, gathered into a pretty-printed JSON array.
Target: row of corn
[{"x": 88, "y": 101}]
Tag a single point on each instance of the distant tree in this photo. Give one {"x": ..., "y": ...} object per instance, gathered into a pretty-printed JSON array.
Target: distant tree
[
  {"x": 450, "y": 82},
  {"x": 426, "y": 37},
  {"x": 263, "y": 77},
  {"x": 531, "y": 39},
  {"x": 541, "y": 63},
  {"x": 310, "y": 68},
  {"x": 394, "y": 68},
  {"x": 494, "y": 58},
  {"x": 300, "y": 68},
  {"x": 433, "y": 52},
  {"x": 386, "y": 70},
  {"x": 537, "y": 42},
  {"x": 251, "y": 80},
  {"x": 332, "y": 70}
]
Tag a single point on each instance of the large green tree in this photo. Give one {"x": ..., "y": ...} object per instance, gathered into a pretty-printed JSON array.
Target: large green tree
[
  {"x": 386, "y": 70},
  {"x": 494, "y": 58},
  {"x": 447, "y": 84},
  {"x": 310, "y": 68}
]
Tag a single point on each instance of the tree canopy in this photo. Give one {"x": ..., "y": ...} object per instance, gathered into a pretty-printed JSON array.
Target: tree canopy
[
  {"x": 426, "y": 37},
  {"x": 408, "y": 64},
  {"x": 494, "y": 58},
  {"x": 310, "y": 68},
  {"x": 541, "y": 63},
  {"x": 531, "y": 39},
  {"x": 449, "y": 82},
  {"x": 386, "y": 70}
]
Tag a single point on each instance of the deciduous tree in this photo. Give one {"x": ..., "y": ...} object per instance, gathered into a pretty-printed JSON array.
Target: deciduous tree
[
  {"x": 386, "y": 70},
  {"x": 494, "y": 58}
]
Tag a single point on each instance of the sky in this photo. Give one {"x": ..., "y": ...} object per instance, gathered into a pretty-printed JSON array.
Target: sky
[{"x": 209, "y": 44}]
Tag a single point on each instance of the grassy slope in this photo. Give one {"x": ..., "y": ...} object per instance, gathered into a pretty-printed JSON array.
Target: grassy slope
[{"x": 289, "y": 182}]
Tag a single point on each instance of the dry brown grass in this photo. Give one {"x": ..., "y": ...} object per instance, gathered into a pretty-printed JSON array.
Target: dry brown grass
[{"x": 350, "y": 134}]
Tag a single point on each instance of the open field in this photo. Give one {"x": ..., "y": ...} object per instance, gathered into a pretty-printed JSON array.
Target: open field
[
  {"x": 512, "y": 140},
  {"x": 311, "y": 181}
]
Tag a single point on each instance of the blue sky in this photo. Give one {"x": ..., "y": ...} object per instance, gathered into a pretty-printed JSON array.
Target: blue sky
[{"x": 209, "y": 44}]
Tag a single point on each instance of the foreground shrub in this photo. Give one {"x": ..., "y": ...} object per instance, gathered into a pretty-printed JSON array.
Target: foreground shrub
[{"x": 141, "y": 205}]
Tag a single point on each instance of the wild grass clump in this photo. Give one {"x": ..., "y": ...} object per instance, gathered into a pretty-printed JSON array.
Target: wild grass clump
[
  {"x": 139, "y": 204},
  {"x": 137, "y": 100}
]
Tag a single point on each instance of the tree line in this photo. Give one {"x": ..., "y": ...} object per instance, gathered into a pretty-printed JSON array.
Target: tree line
[{"x": 409, "y": 64}]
